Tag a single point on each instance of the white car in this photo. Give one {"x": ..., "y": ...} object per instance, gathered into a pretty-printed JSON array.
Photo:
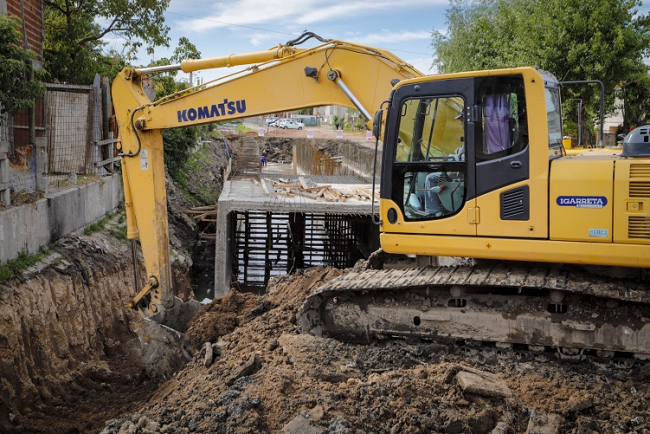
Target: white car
[{"x": 291, "y": 124}]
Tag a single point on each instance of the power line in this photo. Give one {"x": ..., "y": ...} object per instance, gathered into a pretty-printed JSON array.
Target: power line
[
  {"x": 270, "y": 31},
  {"x": 231, "y": 24}
]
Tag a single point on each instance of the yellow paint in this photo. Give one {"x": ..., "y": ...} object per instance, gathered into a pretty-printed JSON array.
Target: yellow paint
[
  {"x": 458, "y": 224},
  {"x": 632, "y": 201},
  {"x": 582, "y": 180},
  {"x": 624, "y": 255}
]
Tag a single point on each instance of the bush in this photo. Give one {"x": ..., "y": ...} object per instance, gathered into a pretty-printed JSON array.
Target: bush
[{"x": 177, "y": 143}]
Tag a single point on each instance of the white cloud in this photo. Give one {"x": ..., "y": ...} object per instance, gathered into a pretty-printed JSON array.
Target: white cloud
[
  {"x": 423, "y": 65},
  {"x": 261, "y": 39},
  {"x": 289, "y": 13},
  {"x": 390, "y": 36}
]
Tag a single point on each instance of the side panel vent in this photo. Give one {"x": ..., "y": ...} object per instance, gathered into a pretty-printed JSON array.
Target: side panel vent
[
  {"x": 639, "y": 227},
  {"x": 515, "y": 204},
  {"x": 640, "y": 180}
]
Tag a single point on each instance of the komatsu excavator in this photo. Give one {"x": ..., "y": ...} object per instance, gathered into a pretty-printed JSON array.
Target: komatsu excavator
[{"x": 473, "y": 166}]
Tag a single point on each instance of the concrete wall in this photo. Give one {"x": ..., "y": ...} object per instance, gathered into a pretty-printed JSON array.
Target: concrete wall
[
  {"x": 29, "y": 227},
  {"x": 355, "y": 160}
]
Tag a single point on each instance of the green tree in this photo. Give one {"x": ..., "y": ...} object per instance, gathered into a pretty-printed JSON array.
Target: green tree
[
  {"x": 165, "y": 83},
  {"x": 74, "y": 32},
  {"x": 602, "y": 40},
  {"x": 177, "y": 142},
  {"x": 18, "y": 89}
]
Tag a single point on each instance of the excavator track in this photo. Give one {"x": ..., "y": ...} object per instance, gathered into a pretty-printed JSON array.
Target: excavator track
[{"x": 559, "y": 308}]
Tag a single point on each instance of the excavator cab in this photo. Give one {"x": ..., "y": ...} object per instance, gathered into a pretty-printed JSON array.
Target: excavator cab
[{"x": 448, "y": 143}]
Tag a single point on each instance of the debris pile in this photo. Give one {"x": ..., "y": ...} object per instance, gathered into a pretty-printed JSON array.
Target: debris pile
[
  {"x": 286, "y": 188},
  {"x": 258, "y": 373}
]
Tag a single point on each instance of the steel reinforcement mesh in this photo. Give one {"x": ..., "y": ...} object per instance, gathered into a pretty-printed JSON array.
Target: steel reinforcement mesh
[{"x": 269, "y": 244}]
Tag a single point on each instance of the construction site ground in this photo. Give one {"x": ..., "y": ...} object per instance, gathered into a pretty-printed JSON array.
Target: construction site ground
[{"x": 68, "y": 364}]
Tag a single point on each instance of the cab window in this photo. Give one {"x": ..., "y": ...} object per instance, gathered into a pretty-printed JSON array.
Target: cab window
[
  {"x": 430, "y": 156},
  {"x": 503, "y": 126}
]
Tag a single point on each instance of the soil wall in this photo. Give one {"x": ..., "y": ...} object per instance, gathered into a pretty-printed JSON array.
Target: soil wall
[{"x": 61, "y": 329}]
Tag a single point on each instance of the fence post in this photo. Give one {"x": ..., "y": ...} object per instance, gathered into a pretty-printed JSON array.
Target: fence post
[
  {"x": 5, "y": 190},
  {"x": 41, "y": 164}
]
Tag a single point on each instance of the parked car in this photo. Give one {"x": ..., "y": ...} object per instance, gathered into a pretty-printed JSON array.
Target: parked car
[
  {"x": 291, "y": 124},
  {"x": 271, "y": 119}
]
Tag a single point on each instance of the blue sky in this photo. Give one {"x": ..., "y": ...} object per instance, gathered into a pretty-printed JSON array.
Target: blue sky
[{"x": 220, "y": 28}]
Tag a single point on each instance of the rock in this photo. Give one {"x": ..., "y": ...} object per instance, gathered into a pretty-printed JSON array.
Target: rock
[
  {"x": 587, "y": 425},
  {"x": 316, "y": 413},
  {"x": 543, "y": 423},
  {"x": 301, "y": 424},
  {"x": 253, "y": 365},
  {"x": 207, "y": 359},
  {"x": 481, "y": 423},
  {"x": 576, "y": 405},
  {"x": 128, "y": 428},
  {"x": 478, "y": 385}
]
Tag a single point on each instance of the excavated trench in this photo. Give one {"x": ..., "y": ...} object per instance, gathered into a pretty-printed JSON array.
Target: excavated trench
[{"x": 68, "y": 358}]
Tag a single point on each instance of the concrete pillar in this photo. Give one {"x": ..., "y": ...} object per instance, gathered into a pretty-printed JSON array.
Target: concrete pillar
[
  {"x": 223, "y": 253},
  {"x": 5, "y": 190},
  {"x": 41, "y": 164}
]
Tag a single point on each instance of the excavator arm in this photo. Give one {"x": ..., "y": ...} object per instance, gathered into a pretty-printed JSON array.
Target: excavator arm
[{"x": 280, "y": 79}]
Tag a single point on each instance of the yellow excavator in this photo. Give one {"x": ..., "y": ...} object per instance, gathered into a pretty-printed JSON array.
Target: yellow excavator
[{"x": 473, "y": 167}]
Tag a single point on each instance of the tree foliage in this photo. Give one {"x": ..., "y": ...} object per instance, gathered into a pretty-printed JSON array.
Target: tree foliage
[
  {"x": 165, "y": 83},
  {"x": 177, "y": 142},
  {"x": 75, "y": 31},
  {"x": 18, "y": 89},
  {"x": 602, "y": 40}
]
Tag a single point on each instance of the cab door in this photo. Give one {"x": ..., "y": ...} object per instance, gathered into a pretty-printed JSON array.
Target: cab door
[
  {"x": 503, "y": 185},
  {"x": 429, "y": 164}
]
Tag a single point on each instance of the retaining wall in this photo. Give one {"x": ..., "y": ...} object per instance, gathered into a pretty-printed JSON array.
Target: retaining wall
[{"x": 28, "y": 227}]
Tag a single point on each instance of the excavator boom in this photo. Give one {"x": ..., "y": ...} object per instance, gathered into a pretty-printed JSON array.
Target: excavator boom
[{"x": 333, "y": 73}]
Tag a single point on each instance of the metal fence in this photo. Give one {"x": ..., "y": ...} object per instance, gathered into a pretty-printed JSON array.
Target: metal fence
[
  {"x": 77, "y": 140},
  {"x": 73, "y": 136}
]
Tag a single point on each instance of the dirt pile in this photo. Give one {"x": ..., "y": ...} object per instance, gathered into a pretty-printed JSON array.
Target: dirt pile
[{"x": 263, "y": 375}]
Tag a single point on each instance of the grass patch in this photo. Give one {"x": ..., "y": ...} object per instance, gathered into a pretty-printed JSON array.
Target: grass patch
[
  {"x": 24, "y": 260},
  {"x": 241, "y": 129},
  {"x": 119, "y": 233},
  {"x": 98, "y": 225}
]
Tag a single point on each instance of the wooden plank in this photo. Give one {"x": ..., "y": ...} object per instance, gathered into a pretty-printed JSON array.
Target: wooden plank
[
  {"x": 103, "y": 162},
  {"x": 266, "y": 190},
  {"x": 364, "y": 191},
  {"x": 330, "y": 196},
  {"x": 303, "y": 182},
  {"x": 338, "y": 195},
  {"x": 105, "y": 142},
  {"x": 307, "y": 195},
  {"x": 278, "y": 185},
  {"x": 317, "y": 188},
  {"x": 275, "y": 193}
]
